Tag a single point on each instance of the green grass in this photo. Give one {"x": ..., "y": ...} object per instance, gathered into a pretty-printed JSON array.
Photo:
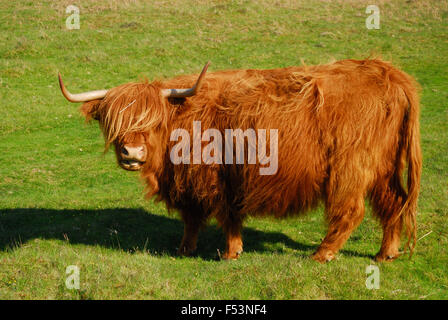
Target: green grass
[{"x": 65, "y": 203}]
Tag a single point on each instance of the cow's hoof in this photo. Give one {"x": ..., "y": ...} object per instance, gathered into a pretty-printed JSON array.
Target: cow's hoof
[
  {"x": 185, "y": 252},
  {"x": 323, "y": 256},
  {"x": 386, "y": 257},
  {"x": 229, "y": 256}
]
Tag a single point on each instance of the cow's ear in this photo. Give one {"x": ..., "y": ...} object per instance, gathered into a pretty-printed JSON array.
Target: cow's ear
[{"x": 90, "y": 109}]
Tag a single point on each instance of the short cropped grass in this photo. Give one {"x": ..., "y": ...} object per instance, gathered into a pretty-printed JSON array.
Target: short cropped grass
[{"x": 64, "y": 203}]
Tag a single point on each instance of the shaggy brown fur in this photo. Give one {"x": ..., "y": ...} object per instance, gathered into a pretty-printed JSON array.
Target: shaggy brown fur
[{"x": 345, "y": 132}]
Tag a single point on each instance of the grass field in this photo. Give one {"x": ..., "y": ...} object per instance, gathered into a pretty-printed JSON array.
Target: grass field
[{"x": 65, "y": 203}]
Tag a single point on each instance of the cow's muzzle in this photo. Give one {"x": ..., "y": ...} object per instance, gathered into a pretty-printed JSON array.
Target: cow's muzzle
[{"x": 132, "y": 158}]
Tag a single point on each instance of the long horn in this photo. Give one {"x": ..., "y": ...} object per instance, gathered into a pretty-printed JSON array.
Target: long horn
[
  {"x": 183, "y": 93},
  {"x": 81, "y": 97}
]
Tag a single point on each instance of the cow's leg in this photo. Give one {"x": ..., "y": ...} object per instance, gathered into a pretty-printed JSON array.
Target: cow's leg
[
  {"x": 387, "y": 200},
  {"x": 194, "y": 220},
  {"x": 189, "y": 239},
  {"x": 344, "y": 213},
  {"x": 391, "y": 242},
  {"x": 232, "y": 225}
]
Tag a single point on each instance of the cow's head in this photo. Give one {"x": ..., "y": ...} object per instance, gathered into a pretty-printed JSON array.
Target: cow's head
[{"x": 129, "y": 115}]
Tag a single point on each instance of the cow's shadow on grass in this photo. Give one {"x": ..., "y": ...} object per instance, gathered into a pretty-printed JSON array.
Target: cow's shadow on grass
[{"x": 131, "y": 230}]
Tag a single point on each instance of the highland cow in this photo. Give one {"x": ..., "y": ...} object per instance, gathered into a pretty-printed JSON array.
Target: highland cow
[{"x": 346, "y": 131}]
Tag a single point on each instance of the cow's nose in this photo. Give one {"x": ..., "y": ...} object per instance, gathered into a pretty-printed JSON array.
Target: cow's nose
[{"x": 136, "y": 153}]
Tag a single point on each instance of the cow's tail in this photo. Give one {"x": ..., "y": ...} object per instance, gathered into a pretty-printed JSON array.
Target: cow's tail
[{"x": 411, "y": 143}]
